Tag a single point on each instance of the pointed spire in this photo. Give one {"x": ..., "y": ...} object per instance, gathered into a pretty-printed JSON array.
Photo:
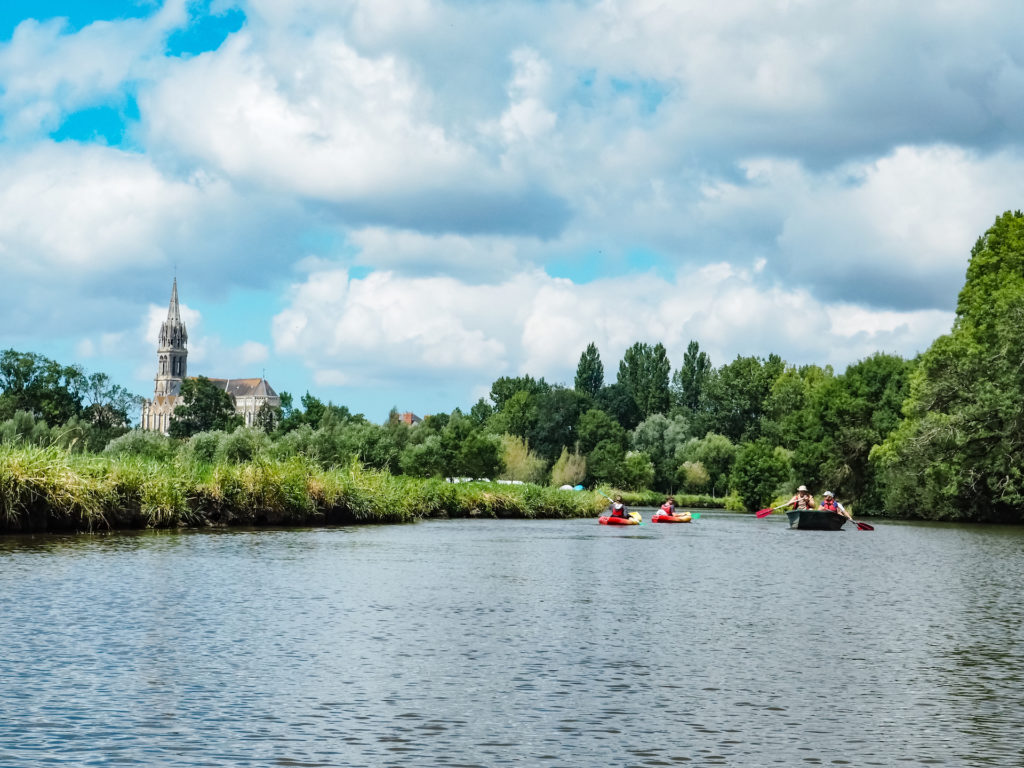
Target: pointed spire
[{"x": 173, "y": 314}]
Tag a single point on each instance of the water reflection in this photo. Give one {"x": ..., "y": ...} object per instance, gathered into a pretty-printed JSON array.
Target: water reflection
[{"x": 729, "y": 641}]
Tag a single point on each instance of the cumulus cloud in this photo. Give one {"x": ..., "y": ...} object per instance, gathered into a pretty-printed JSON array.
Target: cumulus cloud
[{"x": 384, "y": 327}]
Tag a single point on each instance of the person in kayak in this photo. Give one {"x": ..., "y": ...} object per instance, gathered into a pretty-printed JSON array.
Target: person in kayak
[
  {"x": 669, "y": 508},
  {"x": 801, "y": 500},
  {"x": 829, "y": 504},
  {"x": 619, "y": 509}
]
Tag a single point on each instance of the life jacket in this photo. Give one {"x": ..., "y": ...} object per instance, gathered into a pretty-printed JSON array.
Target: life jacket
[
  {"x": 618, "y": 509},
  {"x": 668, "y": 509},
  {"x": 829, "y": 505}
]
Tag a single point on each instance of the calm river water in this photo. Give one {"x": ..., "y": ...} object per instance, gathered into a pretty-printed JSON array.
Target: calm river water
[{"x": 730, "y": 641}]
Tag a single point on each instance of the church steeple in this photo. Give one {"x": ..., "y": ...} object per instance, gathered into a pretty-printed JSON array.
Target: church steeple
[{"x": 172, "y": 354}]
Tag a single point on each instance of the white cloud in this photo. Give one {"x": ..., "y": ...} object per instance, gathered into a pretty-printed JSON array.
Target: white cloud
[
  {"x": 48, "y": 71},
  {"x": 385, "y": 327}
]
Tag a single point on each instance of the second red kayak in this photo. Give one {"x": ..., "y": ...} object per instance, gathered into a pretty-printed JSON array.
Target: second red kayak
[{"x": 661, "y": 517}]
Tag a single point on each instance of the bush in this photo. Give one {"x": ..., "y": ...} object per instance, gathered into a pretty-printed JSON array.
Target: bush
[{"x": 146, "y": 445}]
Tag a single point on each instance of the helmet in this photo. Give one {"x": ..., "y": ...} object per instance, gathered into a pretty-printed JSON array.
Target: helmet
[
  {"x": 828, "y": 493},
  {"x": 802, "y": 488}
]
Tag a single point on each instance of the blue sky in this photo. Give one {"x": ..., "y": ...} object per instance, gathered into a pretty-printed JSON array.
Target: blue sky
[{"x": 394, "y": 203}]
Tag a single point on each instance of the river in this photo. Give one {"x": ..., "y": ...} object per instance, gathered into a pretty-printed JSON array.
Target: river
[{"x": 730, "y": 641}]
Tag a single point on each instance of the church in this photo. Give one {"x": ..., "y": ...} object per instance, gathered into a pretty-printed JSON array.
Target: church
[{"x": 248, "y": 395}]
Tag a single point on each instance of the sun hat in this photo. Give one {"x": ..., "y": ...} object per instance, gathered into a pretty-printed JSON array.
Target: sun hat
[
  {"x": 828, "y": 493},
  {"x": 802, "y": 488}
]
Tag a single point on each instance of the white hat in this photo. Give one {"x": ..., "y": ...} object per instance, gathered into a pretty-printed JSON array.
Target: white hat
[
  {"x": 802, "y": 488},
  {"x": 828, "y": 493}
]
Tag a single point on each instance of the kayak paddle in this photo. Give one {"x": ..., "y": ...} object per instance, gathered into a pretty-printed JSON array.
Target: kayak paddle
[{"x": 767, "y": 511}]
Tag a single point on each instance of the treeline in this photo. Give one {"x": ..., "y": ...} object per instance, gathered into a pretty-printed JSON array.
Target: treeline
[{"x": 937, "y": 437}]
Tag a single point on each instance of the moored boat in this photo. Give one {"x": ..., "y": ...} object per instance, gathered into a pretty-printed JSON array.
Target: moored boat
[{"x": 815, "y": 520}]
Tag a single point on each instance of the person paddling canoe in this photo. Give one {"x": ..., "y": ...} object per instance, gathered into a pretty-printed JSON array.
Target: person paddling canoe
[
  {"x": 829, "y": 504},
  {"x": 801, "y": 500}
]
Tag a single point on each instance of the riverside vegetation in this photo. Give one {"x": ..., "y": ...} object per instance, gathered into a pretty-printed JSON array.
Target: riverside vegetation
[{"x": 936, "y": 437}]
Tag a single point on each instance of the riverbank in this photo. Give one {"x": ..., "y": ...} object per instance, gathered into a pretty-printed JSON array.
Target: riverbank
[{"x": 49, "y": 489}]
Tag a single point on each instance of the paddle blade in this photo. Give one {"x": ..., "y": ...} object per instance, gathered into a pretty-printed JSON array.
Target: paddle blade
[
  {"x": 764, "y": 512},
  {"x": 864, "y": 526},
  {"x": 695, "y": 515}
]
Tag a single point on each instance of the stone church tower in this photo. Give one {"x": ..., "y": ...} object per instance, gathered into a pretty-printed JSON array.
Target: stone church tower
[
  {"x": 172, "y": 355},
  {"x": 248, "y": 395}
]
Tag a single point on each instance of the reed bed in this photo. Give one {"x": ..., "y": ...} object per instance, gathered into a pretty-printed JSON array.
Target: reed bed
[{"x": 52, "y": 489}]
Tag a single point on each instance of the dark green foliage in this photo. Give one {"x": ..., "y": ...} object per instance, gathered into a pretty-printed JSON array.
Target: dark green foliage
[
  {"x": 40, "y": 386},
  {"x": 758, "y": 473},
  {"x": 616, "y": 401},
  {"x": 688, "y": 382},
  {"x": 605, "y": 463},
  {"x": 644, "y": 373},
  {"x": 734, "y": 397},
  {"x": 957, "y": 455},
  {"x": 206, "y": 406},
  {"x": 590, "y": 372},
  {"x": 505, "y": 387},
  {"x": 596, "y": 426},
  {"x": 558, "y": 411}
]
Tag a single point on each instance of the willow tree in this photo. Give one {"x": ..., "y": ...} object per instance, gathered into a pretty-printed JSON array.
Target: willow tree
[{"x": 959, "y": 453}]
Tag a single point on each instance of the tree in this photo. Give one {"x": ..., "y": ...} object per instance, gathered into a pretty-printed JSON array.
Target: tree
[
  {"x": 590, "y": 372},
  {"x": 206, "y": 406},
  {"x": 596, "y": 426},
  {"x": 557, "y": 413},
  {"x": 957, "y": 454},
  {"x": 758, "y": 473},
  {"x": 688, "y": 382},
  {"x": 505, "y": 387},
  {"x": 616, "y": 401},
  {"x": 520, "y": 463},
  {"x": 716, "y": 454},
  {"x": 644, "y": 372},
  {"x": 570, "y": 469},
  {"x": 604, "y": 464},
  {"x": 660, "y": 437},
  {"x": 637, "y": 471},
  {"x": 734, "y": 397},
  {"x": 40, "y": 386}
]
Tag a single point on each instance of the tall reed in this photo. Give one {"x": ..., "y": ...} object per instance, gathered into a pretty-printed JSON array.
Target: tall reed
[{"x": 49, "y": 488}]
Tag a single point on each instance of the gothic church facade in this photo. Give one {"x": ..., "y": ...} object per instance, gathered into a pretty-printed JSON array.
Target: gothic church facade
[{"x": 248, "y": 395}]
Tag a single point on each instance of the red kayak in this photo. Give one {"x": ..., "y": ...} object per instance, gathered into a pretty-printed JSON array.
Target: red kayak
[
  {"x": 661, "y": 517},
  {"x": 607, "y": 520}
]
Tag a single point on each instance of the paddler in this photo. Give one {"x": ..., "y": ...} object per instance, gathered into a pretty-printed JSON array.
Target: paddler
[
  {"x": 801, "y": 500},
  {"x": 619, "y": 509},
  {"x": 669, "y": 509},
  {"x": 829, "y": 504}
]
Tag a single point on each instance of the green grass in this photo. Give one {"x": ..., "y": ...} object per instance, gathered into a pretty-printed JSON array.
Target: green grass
[{"x": 52, "y": 489}]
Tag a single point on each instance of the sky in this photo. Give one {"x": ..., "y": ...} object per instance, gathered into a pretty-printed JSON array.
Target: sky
[{"x": 395, "y": 202}]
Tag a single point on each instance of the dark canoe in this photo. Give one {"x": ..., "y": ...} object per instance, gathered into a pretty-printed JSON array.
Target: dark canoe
[{"x": 815, "y": 520}]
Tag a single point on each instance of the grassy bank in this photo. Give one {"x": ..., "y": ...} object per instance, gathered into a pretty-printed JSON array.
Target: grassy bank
[{"x": 52, "y": 489}]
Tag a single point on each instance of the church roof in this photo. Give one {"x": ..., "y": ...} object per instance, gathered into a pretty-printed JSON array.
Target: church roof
[{"x": 246, "y": 387}]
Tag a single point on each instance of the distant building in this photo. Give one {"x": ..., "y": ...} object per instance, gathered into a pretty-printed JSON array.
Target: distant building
[
  {"x": 248, "y": 395},
  {"x": 410, "y": 418}
]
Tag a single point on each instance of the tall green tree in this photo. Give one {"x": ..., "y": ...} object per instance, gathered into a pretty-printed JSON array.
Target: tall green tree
[
  {"x": 644, "y": 372},
  {"x": 206, "y": 406},
  {"x": 958, "y": 453},
  {"x": 688, "y": 382},
  {"x": 590, "y": 372}
]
